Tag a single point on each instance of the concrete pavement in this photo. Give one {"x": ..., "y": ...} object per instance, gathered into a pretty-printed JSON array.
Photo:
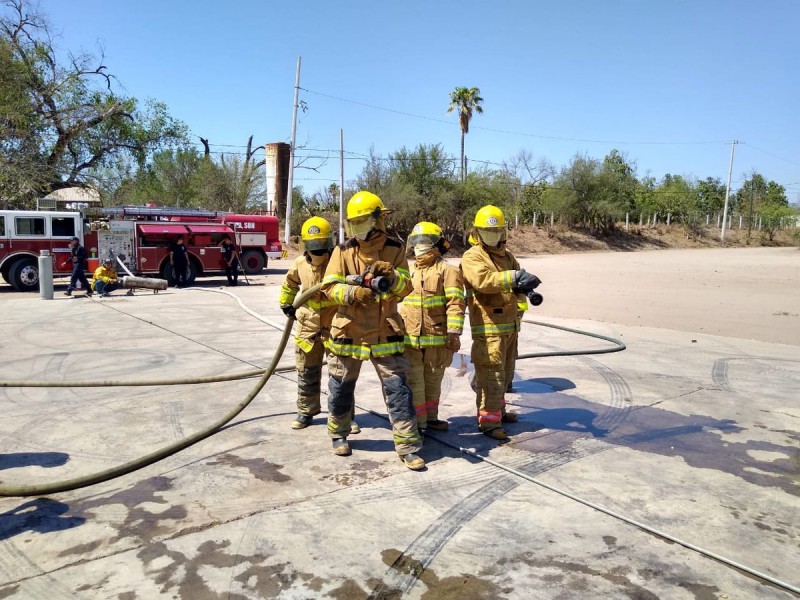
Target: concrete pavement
[{"x": 693, "y": 434}]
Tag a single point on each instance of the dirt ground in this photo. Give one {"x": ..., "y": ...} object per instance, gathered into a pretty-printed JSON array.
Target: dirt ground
[{"x": 751, "y": 293}]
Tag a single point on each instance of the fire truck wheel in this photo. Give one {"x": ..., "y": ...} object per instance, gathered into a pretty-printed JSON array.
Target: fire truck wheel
[
  {"x": 253, "y": 262},
  {"x": 191, "y": 272},
  {"x": 24, "y": 275}
]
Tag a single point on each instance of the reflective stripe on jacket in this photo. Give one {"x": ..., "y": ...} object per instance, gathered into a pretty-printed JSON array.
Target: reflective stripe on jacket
[
  {"x": 436, "y": 304},
  {"x": 488, "y": 276},
  {"x": 314, "y": 317},
  {"x": 372, "y": 330}
]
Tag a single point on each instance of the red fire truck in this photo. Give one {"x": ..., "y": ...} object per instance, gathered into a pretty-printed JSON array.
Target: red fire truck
[{"x": 139, "y": 236}]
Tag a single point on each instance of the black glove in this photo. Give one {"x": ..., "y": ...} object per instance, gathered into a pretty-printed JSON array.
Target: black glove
[
  {"x": 525, "y": 282},
  {"x": 288, "y": 310}
]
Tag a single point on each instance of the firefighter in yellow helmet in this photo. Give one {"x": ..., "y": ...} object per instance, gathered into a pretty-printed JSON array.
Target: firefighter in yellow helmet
[
  {"x": 434, "y": 319},
  {"x": 496, "y": 287},
  {"x": 313, "y": 318},
  {"x": 366, "y": 277}
]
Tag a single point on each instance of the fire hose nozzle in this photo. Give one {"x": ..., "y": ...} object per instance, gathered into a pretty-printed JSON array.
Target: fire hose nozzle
[{"x": 376, "y": 283}]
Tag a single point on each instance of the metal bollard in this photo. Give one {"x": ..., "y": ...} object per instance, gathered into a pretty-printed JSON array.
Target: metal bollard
[{"x": 45, "y": 275}]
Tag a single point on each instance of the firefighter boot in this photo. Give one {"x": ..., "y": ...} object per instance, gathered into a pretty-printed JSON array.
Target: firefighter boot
[
  {"x": 497, "y": 433},
  {"x": 510, "y": 417},
  {"x": 413, "y": 461},
  {"x": 437, "y": 425},
  {"x": 301, "y": 421},
  {"x": 354, "y": 428},
  {"x": 341, "y": 447}
]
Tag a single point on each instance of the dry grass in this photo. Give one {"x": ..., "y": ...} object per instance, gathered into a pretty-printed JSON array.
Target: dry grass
[{"x": 526, "y": 240}]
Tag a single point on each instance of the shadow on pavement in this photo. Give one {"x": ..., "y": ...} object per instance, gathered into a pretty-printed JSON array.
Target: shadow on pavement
[{"x": 42, "y": 515}]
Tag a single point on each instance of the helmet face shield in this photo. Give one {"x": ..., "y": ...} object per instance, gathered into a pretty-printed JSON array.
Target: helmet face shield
[
  {"x": 492, "y": 236},
  {"x": 326, "y": 243},
  {"x": 423, "y": 239},
  {"x": 360, "y": 227}
]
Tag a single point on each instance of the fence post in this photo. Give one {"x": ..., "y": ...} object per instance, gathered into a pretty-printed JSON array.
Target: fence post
[
  {"x": 669, "y": 218},
  {"x": 552, "y": 219},
  {"x": 708, "y": 219},
  {"x": 627, "y": 221}
]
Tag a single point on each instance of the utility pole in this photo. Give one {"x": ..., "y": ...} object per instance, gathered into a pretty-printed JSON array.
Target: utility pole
[
  {"x": 341, "y": 186},
  {"x": 291, "y": 154},
  {"x": 727, "y": 193}
]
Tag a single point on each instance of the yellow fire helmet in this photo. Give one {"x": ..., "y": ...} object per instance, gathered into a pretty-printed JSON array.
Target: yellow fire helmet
[
  {"x": 426, "y": 235},
  {"x": 363, "y": 204},
  {"x": 364, "y": 210},
  {"x": 490, "y": 224},
  {"x": 489, "y": 216},
  {"x": 316, "y": 234}
]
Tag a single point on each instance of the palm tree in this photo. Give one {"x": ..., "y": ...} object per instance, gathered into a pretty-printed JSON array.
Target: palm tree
[{"x": 465, "y": 100}]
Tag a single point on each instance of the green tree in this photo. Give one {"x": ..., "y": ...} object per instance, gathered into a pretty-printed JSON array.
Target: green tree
[
  {"x": 710, "y": 195},
  {"x": 621, "y": 182},
  {"x": 68, "y": 118},
  {"x": 465, "y": 101},
  {"x": 675, "y": 199},
  {"x": 586, "y": 192}
]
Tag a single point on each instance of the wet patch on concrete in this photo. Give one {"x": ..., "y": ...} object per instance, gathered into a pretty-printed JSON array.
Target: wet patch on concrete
[
  {"x": 579, "y": 577},
  {"x": 359, "y": 472},
  {"x": 610, "y": 541},
  {"x": 697, "y": 439},
  {"x": 259, "y": 468},
  {"x": 8, "y": 591},
  {"x": 459, "y": 587},
  {"x": 700, "y": 591},
  {"x": 140, "y": 523},
  {"x": 127, "y": 596},
  {"x": 93, "y": 586},
  {"x": 349, "y": 590},
  {"x": 81, "y": 548},
  {"x": 174, "y": 571},
  {"x": 573, "y": 571}
]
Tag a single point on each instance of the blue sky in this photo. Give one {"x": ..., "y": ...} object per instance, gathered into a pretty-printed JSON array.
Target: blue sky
[{"x": 633, "y": 74}]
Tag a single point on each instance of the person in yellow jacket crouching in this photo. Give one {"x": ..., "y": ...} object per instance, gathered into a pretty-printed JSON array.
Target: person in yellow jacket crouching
[
  {"x": 434, "y": 319},
  {"x": 367, "y": 326},
  {"x": 104, "y": 280},
  {"x": 495, "y": 286},
  {"x": 313, "y": 318}
]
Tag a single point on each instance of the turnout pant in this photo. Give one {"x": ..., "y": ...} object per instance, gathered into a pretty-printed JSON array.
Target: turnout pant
[
  {"x": 392, "y": 372},
  {"x": 493, "y": 357},
  {"x": 427, "y": 366},
  {"x": 309, "y": 375}
]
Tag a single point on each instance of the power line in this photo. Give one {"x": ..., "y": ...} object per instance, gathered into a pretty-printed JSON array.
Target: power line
[
  {"x": 791, "y": 162},
  {"x": 519, "y": 133}
]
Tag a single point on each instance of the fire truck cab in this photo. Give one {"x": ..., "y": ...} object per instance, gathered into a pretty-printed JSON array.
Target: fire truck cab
[
  {"x": 23, "y": 234},
  {"x": 139, "y": 237}
]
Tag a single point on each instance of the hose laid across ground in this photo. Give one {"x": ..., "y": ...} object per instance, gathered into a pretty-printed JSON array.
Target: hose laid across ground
[
  {"x": 161, "y": 453},
  {"x": 35, "y": 490}
]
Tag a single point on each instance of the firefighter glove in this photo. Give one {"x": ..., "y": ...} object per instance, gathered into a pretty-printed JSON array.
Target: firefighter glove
[
  {"x": 453, "y": 342},
  {"x": 362, "y": 295},
  {"x": 288, "y": 310},
  {"x": 525, "y": 282},
  {"x": 382, "y": 268}
]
